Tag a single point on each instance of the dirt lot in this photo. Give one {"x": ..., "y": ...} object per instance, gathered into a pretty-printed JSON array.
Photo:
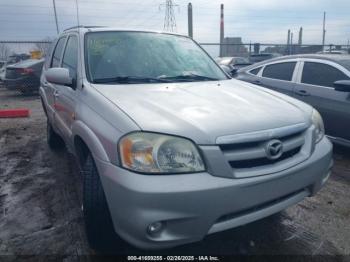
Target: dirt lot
[{"x": 40, "y": 203}]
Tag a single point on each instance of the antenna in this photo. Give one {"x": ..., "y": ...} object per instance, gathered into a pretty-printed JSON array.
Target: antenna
[
  {"x": 77, "y": 8},
  {"x": 169, "y": 19},
  {"x": 79, "y": 53},
  {"x": 55, "y": 12}
]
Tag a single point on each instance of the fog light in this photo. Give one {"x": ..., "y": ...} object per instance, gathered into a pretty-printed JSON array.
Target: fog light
[{"x": 155, "y": 228}]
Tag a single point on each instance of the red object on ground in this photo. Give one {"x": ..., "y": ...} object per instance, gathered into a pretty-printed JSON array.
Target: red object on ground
[{"x": 18, "y": 112}]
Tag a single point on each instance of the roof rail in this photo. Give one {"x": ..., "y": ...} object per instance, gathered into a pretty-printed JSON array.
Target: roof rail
[{"x": 82, "y": 26}]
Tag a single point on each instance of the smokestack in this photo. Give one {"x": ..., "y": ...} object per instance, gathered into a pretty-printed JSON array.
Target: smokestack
[
  {"x": 190, "y": 21},
  {"x": 288, "y": 38},
  {"x": 300, "y": 40},
  {"x": 221, "y": 29}
]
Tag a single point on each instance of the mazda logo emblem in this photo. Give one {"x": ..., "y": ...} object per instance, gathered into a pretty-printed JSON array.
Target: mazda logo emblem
[{"x": 274, "y": 149}]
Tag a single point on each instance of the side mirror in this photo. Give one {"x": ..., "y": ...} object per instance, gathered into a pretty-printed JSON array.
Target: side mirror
[
  {"x": 342, "y": 85},
  {"x": 60, "y": 76},
  {"x": 233, "y": 71},
  {"x": 228, "y": 70}
]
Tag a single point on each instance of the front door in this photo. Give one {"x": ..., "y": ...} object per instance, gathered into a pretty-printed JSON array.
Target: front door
[
  {"x": 316, "y": 88},
  {"x": 66, "y": 95},
  {"x": 279, "y": 77}
]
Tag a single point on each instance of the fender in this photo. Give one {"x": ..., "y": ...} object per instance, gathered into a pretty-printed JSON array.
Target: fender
[{"x": 91, "y": 140}]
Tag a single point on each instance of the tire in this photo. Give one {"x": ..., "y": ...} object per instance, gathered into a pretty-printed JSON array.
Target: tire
[
  {"x": 98, "y": 223},
  {"x": 53, "y": 139}
]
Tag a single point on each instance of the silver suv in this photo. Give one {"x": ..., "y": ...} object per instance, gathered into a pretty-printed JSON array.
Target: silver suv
[{"x": 172, "y": 149}]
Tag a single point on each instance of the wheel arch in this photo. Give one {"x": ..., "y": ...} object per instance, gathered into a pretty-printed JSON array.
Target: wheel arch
[{"x": 85, "y": 141}]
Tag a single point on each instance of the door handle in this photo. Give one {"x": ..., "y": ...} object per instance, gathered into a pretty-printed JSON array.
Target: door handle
[
  {"x": 302, "y": 92},
  {"x": 256, "y": 82}
]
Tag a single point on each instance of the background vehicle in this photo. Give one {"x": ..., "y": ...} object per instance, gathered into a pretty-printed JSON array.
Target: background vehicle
[
  {"x": 24, "y": 76},
  {"x": 255, "y": 58},
  {"x": 313, "y": 79},
  {"x": 334, "y": 52},
  {"x": 170, "y": 147},
  {"x": 2, "y": 72},
  {"x": 234, "y": 63}
]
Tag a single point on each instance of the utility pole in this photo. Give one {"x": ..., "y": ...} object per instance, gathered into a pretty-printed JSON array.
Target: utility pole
[
  {"x": 300, "y": 40},
  {"x": 54, "y": 10},
  {"x": 324, "y": 30},
  {"x": 190, "y": 20},
  {"x": 288, "y": 42},
  {"x": 169, "y": 20},
  {"x": 222, "y": 34}
]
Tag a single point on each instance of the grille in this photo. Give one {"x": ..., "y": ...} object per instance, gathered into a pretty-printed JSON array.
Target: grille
[
  {"x": 250, "y": 158},
  {"x": 230, "y": 216},
  {"x": 263, "y": 161}
]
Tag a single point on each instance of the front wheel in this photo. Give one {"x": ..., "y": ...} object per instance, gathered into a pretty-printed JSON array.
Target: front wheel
[{"x": 98, "y": 223}]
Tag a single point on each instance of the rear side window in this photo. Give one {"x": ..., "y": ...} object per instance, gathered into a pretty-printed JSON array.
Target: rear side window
[
  {"x": 70, "y": 57},
  {"x": 280, "y": 71},
  {"x": 57, "y": 54},
  {"x": 255, "y": 71},
  {"x": 321, "y": 74}
]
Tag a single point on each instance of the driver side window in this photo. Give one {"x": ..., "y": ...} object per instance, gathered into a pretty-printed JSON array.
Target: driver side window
[
  {"x": 70, "y": 57},
  {"x": 57, "y": 54},
  {"x": 320, "y": 74}
]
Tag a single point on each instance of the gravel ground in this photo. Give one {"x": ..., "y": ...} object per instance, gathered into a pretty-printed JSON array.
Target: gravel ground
[{"x": 40, "y": 203}]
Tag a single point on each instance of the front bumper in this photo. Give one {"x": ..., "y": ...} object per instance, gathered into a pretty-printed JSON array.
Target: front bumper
[{"x": 190, "y": 206}]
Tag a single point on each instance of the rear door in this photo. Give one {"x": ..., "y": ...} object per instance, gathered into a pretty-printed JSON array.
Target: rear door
[
  {"x": 315, "y": 87},
  {"x": 279, "y": 76},
  {"x": 49, "y": 88}
]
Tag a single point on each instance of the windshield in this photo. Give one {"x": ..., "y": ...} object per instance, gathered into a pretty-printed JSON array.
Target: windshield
[{"x": 146, "y": 57}]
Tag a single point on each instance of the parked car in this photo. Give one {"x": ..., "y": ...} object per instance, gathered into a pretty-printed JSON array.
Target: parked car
[
  {"x": 255, "y": 58},
  {"x": 234, "y": 63},
  {"x": 24, "y": 76},
  {"x": 16, "y": 58},
  {"x": 322, "y": 81},
  {"x": 172, "y": 149},
  {"x": 2, "y": 72},
  {"x": 334, "y": 52}
]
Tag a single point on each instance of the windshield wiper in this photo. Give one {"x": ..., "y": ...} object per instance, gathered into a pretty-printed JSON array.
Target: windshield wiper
[
  {"x": 129, "y": 79},
  {"x": 189, "y": 77}
]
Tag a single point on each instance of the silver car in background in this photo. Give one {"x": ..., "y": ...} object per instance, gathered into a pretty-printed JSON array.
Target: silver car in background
[
  {"x": 172, "y": 149},
  {"x": 321, "y": 80}
]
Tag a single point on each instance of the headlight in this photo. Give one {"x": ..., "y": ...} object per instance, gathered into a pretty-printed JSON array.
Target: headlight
[
  {"x": 156, "y": 153},
  {"x": 318, "y": 123}
]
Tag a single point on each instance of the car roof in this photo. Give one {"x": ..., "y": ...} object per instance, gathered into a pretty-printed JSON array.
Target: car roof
[
  {"x": 337, "y": 58},
  {"x": 108, "y": 29}
]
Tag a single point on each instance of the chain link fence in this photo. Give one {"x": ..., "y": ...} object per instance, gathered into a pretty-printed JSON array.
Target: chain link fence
[
  {"x": 14, "y": 51},
  {"x": 274, "y": 50},
  {"x": 19, "y": 50}
]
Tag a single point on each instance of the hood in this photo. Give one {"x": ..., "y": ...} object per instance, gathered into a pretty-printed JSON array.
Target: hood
[{"x": 204, "y": 111}]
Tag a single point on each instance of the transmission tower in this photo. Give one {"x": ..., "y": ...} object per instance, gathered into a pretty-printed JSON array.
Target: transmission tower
[{"x": 169, "y": 19}]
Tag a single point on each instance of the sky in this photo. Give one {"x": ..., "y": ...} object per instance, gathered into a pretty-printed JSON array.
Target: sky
[{"x": 264, "y": 21}]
